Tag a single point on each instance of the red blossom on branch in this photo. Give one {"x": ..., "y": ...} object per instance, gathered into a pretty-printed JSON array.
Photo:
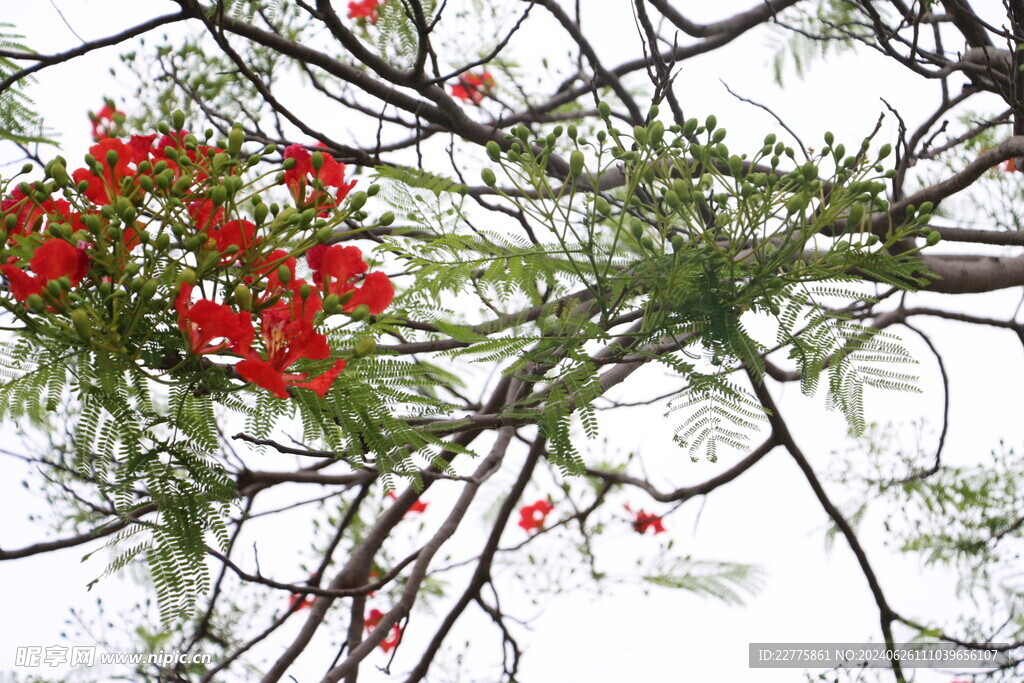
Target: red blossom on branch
[
  {"x": 642, "y": 521},
  {"x": 531, "y": 517},
  {"x": 210, "y": 327},
  {"x": 371, "y": 621},
  {"x": 416, "y": 508},
  {"x": 287, "y": 339},
  {"x": 336, "y": 269},
  {"x": 472, "y": 87},
  {"x": 302, "y": 178},
  {"x": 52, "y": 260},
  {"x": 367, "y": 10},
  {"x": 297, "y": 602}
]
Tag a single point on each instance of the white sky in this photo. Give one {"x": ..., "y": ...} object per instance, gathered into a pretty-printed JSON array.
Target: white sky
[{"x": 768, "y": 517}]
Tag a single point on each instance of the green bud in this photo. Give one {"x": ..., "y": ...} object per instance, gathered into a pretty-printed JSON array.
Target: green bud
[
  {"x": 243, "y": 297},
  {"x": 146, "y": 183},
  {"x": 926, "y": 208},
  {"x": 933, "y": 238},
  {"x": 488, "y": 177},
  {"x": 187, "y": 276},
  {"x": 647, "y": 243},
  {"x": 640, "y": 135},
  {"x": 148, "y": 290},
  {"x": 304, "y": 291},
  {"x": 361, "y": 312},
  {"x": 163, "y": 240},
  {"x": 112, "y": 158},
  {"x": 54, "y": 288},
  {"x": 387, "y": 218},
  {"x": 178, "y": 119},
  {"x": 604, "y": 110},
  {"x": 797, "y": 203},
  {"x": 364, "y": 347},
  {"x": 657, "y": 132},
  {"x": 356, "y": 201},
  {"x": 718, "y": 136},
  {"x": 809, "y": 171},
  {"x": 36, "y": 303},
  {"x": 571, "y": 130},
  {"x": 82, "y": 324},
  {"x": 856, "y": 214},
  {"x": 289, "y": 163},
  {"x": 637, "y": 228},
  {"x": 218, "y": 195},
  {"x": 493, "y": 150},
  {"x": 260, "y": 213},
  {"x": 884, "y": 151},
  {"x": 678, "y": 243},
  {"x": 672, "y": 199},
  {"x": 284, "y": 274},
  {"x": 372, "y": 190},
  {"x": 829, "y": 138},
  {"x": 324, "y": 234},
  {"x": 235, "y": 139},
  {"x": 710, "y": 122},
  {"x": 331, "y": 304},
  {"x": 576, "y": 163}
]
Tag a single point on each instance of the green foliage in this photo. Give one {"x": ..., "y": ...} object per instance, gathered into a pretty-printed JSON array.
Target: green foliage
[
  {"x": 725, "y": 581},
  {"x": 19, "y": 122},
  {"x": 807, "y": 34}
]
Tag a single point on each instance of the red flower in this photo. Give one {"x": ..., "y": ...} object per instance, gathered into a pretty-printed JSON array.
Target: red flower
[
  {"x": 642, "y": 521},
  {"x": 364, "y": 9},
  {"x": 103, "y": 123},
  {"x": 334, "y": 269},
  {"x": 210, "y": 327},
  {"x": 287, "y": 339},
  {"x": 1009, "y": 166},
  {"x": 416, "y": 508},
  {"x": 473, "y": 87},
  {"x": 52, "y": 260},
  {"x": 29, "y": 213},
  {"x": 373, "y": 619},
  {"x": 301, "y": 602},
  {"x": 391, "y": 642},
  {"x": 268, "y": 266},
  {"x": 239, "y": 233},
  {"x": 302, "y": 176},
  {"x": 103, "y": 190},
  {"x": 531, "y": 517},
  {"x": 204, "y": 214}
]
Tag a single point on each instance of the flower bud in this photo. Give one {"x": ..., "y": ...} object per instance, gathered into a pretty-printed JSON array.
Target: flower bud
[
  {"x": 218, "y": 195},
  {"x": 933, "y": 238},
  {"x": 372, "y": 190},
  {"x": 364, "y": 347},
  {"x": 317, "y": 161},
  {"x": 604, "y": 110},
  {"x": 289, "y": 163},
  {"x": 710, "y": 122},
  {"x": 82, "y": 324},
  {"x": 387, "y": 218},
  {"x": 112, "y": 158},
  {"x": 235, "y": 139},
  {"x": 243, "y": 297},
  {"x": 576, "y": 163},
  {"x": 148, "y": 290},
  {"x": 284, "y": 274},
  {"x": 36, "y": 303},
  {"x": 361, "y": 312},
  {"x": 356, "y": 201},
  {"x": 54, "y": 288},
  {"x": 324, "y": 234},
  {"x": 187, "y": 276},
  {"x": 178, "y": 119},
  {"x": 487, "y": 175},
  {"x": 163, "y": 240},
  {"x": 304, "y": 291},
  {"x": 260, "y": 213},
  {"x": 493, "y": 150},
  {"x": 331, "y": 304}
]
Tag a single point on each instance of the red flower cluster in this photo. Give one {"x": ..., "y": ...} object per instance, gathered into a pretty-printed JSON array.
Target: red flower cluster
[
  {"x": 642, "y": 521},
  {"x": 531, "y": 517},
  {"x": 187, "y": 189},
  {"x": 367, "y": 10},
  {"x": 473, "y": 87},
  {"x": 370, "y": 623}
]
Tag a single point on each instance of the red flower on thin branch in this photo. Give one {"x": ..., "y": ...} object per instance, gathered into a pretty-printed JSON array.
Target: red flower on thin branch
[
  {"x": 367, "y": 10},
  {"x": 336, "y": 269},
  {"x": 210, "y": 327},
  {"x": 642, "y": 521},
  {"x": 303, "y": 179},
  {"x": 473, "y": 87},
  {"x": 52, "y": 260},
  {"x": 531, "y": 517}
]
